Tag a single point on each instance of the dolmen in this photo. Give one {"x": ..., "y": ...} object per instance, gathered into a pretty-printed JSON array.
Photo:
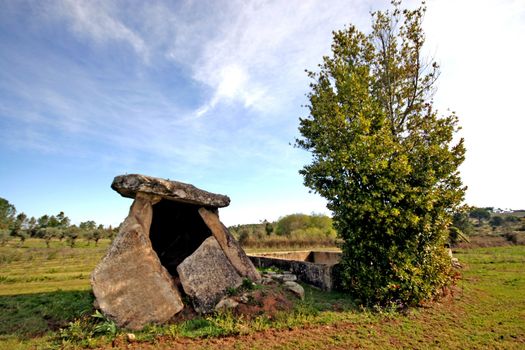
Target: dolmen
[{"x": 171, "y": 244}]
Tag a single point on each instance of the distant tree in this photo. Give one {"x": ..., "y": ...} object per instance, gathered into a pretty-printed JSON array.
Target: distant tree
[
  {"x": 72, "y": 234},
  {"x": 243, "y": 236},
  {"x": 93, "y": 234},
  {"x": 88, "y": 225},
  {"x": 289, "y": 223},
  {"x": 48, "y": 233},
  {"x": 63, "y": 220},
  {"x": 322, "y": 222},
  {"x": 53, "y": 222},
  {"x": 97, "y": 235},
  {"x": 496, "y": 221},
  {"x": 62, "y": 234},
  {"x": 480, "y": 214},
  {"x": 112, "y": 232},
  {"x": 460, "y": 220},
  {"x": 7, "y": 214},
  {"x": 18, "y": 227},
  {"x": 32, "y": 227},
  {"x": 43, "y": 221},
  {"x": 268, "y": 227},
  {"x": 384, "y": 159},
  {"x": 302, "y": 222},
  {"x": 4, "y": 236}
]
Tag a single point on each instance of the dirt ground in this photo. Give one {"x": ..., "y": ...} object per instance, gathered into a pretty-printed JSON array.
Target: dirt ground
[{"x": 301, "y": 338}]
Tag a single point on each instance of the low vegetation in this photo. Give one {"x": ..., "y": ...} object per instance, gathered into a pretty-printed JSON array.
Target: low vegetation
[
  {"x": 488, "y": 227},
  {"x": 291, "y": 231}
]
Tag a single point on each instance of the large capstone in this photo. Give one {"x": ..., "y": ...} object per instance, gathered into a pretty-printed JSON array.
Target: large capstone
[
  {"x": 130, "y": 185},
  {"x": 207, "y": 274}
]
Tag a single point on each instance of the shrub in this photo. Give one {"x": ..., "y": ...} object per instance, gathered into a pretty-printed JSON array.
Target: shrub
[
  {"x": 511, "y": 237},
  {"x": 384, "y": 159}
]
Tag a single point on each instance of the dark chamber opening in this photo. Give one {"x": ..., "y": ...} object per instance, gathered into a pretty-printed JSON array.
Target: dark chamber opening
[{"x": 176, "y": 231}]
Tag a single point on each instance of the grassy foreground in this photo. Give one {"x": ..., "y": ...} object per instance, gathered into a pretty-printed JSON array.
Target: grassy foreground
[{"x": 46, "y": 303}]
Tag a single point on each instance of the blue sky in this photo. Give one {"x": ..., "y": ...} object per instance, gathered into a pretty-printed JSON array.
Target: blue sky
[{"x": 210, "y": 93}]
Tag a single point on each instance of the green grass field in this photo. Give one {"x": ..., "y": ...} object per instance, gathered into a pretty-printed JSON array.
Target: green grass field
[{"x": 46, "y": 303}]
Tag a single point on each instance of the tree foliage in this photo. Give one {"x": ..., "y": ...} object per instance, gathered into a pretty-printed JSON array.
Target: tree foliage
[
  {"x": 315, "y": 224},
  {"x": 7, "y": 214},
  {"x": 47, "y": 227},
  {"x": 480, "y": 214},
  {"x": 460, "y": 227},
  {"x": 295, "y": 230},
  {"x": 384, "y": 159}
]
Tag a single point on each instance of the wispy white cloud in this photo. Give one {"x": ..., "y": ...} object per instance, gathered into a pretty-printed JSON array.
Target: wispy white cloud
[
  {"x": 268, "y": 44},
  {"x": 98, "y": 21}
]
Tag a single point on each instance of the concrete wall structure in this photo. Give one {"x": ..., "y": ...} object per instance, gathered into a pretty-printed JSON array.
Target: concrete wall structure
[{"x": 312, "y": 267}]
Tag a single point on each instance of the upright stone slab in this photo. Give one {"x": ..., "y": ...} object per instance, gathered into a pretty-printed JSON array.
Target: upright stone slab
[
  {"x": 206, "y": 275},
  {"x": 130, "y": 284},
  {"x": 230, "y": 246}
]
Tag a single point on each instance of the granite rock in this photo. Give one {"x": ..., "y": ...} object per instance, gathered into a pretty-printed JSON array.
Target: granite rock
[
  {"x": 130, "y": 185},
  {"x": 130, "y": 284},
  {"x": 226, "y": 303},
  {"x": 295, "y": 288},
  {"x": 230, "y": 246},
  {"x": 206, "y": 275}
]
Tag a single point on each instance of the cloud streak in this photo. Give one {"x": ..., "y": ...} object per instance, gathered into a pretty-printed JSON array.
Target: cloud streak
[{"x": 97, "y": 21}]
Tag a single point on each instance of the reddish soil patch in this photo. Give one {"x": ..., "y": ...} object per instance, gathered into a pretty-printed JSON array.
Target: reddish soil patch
[
  {"x": 287, "y": 339},
  {"x": 268, "y": 301}
]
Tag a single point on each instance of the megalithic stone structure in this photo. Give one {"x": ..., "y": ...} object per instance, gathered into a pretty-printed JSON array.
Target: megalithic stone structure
[{"x": 171, "y": 238}]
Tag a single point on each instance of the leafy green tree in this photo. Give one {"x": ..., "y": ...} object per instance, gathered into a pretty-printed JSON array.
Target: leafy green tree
[
  {"x": 4, "y": 236},
  {"x": 7, "y": 214},
  {"x": 93, "y": 235},
  {"x": 97, "y": 235},
  {"x": 112, "y": 232},
  {"x": 322, "y": 222},
  {"x": 53, "y": 222},
  {"x": 19, "y": 227},
  {"x": 460, "y": 227},
  {"x": 384, "y": 159},
  {"x": 43, "y": 221},
  {"x": 88, "y": 225},
  {"x": 289, "y": 223},
  {"x": 63, "y": 220},
  {"x": 48, "y": 233},
  {"x": 496, "y": 221},
  {"x": 71, "y": 234},
  {"x": 32, "y": 227},
  {"x": 480, "y": 214},
  {"x": 268, "y": 227},
  {"x": 244, "y": 235}
]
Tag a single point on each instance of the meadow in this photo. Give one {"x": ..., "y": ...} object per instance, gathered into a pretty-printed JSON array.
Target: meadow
[{"x": 46, "y": 303}]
